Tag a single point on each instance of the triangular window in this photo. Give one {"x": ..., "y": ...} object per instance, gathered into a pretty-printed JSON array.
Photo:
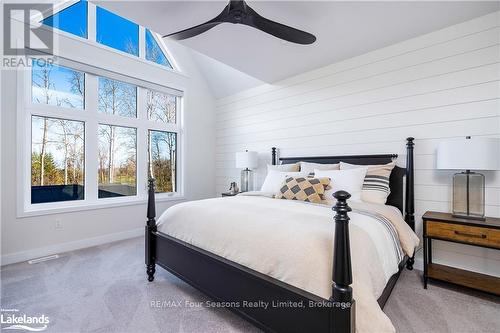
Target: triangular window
[
  {"x": 154, "y": 52},
  {"x": 72, "y": 19}
]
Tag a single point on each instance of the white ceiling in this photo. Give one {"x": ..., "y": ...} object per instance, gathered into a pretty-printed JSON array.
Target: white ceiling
[
  {"x": 343, "y": 29},
  {"x": 222, "y": 79}
]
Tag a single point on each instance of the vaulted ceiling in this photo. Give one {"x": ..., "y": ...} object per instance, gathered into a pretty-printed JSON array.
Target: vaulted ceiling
[{"x": 343, "y": 29}]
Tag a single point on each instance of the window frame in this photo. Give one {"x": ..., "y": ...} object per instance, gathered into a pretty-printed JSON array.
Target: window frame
[
  {"x": 92, "y": 36},
  {"x": 92, "y": 118}
]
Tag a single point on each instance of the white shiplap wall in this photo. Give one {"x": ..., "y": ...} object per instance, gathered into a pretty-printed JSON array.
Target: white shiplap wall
[{"x": 441, "y": 85}]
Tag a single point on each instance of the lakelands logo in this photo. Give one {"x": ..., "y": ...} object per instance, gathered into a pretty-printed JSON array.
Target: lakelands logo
[{"x": 11, "y": 319}]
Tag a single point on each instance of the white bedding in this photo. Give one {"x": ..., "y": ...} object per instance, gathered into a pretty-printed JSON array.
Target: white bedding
[{"x": 293, "y": 241}]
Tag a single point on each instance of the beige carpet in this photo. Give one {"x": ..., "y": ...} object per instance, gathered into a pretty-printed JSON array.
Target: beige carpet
[{"x": 104, "y": 289}]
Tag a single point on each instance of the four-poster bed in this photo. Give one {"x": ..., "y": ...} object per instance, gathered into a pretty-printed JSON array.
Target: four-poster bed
[{"x": 228, "y": 281}]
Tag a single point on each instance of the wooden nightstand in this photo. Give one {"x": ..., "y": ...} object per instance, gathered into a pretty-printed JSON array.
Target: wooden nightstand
[
  {"x": 444, "y": 226},
  {"x": 229, "y": 194}
]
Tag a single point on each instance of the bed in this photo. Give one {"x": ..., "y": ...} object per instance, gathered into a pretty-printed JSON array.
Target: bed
[{"x": 314, "y": 291}]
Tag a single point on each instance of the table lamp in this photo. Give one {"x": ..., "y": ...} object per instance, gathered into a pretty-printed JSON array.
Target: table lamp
[
  {"x": 246, "y": 160},
  {"x": 468, "y": 187}
]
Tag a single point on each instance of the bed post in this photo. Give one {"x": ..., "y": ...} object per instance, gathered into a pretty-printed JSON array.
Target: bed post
[
  {"x": 410, "y": 193},
  {"x": 343, "y": 309},
  {"x": 273, "y": 156},
  {"x": 150, "y": 229}
]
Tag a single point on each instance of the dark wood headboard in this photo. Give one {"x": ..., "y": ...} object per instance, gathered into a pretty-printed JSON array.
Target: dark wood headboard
[{"x": 396, "y": 180}]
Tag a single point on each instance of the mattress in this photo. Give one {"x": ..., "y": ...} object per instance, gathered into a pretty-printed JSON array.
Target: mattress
[{"x": 292, "y": 241}]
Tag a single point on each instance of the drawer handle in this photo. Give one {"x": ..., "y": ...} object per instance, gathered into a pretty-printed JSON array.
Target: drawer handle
[{"x": 483, "y": 236}]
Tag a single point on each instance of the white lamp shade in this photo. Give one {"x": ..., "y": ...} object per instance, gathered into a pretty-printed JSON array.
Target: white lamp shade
[
  {"x": 469, "y": 154},
  {"x": 246, "y": 159}
]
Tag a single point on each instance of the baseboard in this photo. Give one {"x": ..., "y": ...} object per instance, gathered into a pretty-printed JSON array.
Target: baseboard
[{"x": 69, "y": 246}]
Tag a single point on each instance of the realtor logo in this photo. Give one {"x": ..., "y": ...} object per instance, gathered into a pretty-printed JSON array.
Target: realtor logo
[{"x": 17, "y": 27}]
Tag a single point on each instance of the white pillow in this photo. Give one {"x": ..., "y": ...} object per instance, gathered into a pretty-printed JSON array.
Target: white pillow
[
  {"x": 347, "y": 180},
  {"x": 308, "y": 167},
  {"x": 284, "y": 167},
  {"x": 274, "y": 180}
]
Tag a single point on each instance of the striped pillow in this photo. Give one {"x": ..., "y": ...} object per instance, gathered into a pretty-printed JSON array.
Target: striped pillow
[{"x": 376, "y": 184}]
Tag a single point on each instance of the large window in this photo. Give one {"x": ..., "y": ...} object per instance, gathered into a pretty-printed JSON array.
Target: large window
[
  {"x": 90, "y": 151},
  {"x": 93, "y": 133}
]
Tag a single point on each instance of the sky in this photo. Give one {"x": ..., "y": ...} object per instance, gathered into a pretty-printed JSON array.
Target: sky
[
  {"x": 72, "y": 19},
  {"x": 117, "y": 32}
]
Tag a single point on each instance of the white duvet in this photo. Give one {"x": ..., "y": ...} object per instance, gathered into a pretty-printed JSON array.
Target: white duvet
[{"x": 292, "y": 241}]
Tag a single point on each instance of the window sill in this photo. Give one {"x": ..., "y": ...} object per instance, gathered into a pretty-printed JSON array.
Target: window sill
[{"x": 70, "y": 207}]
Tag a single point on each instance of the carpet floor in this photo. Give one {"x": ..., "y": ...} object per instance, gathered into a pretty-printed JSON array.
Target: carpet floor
[{"x": 104, "y": 289}]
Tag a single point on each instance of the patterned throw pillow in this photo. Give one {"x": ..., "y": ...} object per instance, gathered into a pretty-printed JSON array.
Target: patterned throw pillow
[
  {"x": 304, "y": 189},
  {"x": 376, "y": 185}
]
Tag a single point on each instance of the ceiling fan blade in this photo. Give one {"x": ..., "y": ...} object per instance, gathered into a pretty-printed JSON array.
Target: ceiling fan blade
[
  {"x": 200, "y": 28},
  {"x": 279, "y": 30},
  {"x": 193, "y": 31}
]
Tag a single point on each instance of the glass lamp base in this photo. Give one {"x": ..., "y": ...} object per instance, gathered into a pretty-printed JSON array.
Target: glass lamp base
[
  {"x": 468, "y": 195},
  {"x": 246, "y": 180}
]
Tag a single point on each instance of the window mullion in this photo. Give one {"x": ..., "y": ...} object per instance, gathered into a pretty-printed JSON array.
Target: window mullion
[
  {"x": 142, "y": 143},
  {"x": 91, "y": 21},
  {"x": 24, "y": 136},
  {"x": 91, "y": 142},
  {"x": 142, "y": 42}
]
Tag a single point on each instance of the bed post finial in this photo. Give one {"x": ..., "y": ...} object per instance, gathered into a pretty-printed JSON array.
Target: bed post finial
[
  {"x": 150, "y": 239},
  {"x": 343, "y": 316},
  {"x": 273, "y": 156},
  {"x": 151, "y": 201},
  {"x": 410, "y": 192}
]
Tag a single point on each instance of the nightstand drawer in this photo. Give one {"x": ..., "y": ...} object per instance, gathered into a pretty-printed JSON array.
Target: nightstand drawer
[{"x": 464, "y": 233}]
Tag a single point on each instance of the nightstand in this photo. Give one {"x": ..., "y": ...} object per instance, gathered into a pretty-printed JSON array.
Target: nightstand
[
  {"x": 229, "y": 194},
  {"x": 445, "y": 227}
]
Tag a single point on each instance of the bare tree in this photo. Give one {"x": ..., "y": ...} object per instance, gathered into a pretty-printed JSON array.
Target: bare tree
[
  {"x": 154, "y": 52},
  {"x": 65, "y": 146},
  {"x": 131, "y": 47},
  {"x": 42, "y": 81},
  {"x": 77, "y": 81},
  {"x": 163, "y": 167},
  {"x": 163, "y": 107},
  {"x": 115, "y": 98}
]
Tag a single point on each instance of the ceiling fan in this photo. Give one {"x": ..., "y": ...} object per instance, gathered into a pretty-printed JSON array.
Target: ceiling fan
[{"x": 238, "y": 12}]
